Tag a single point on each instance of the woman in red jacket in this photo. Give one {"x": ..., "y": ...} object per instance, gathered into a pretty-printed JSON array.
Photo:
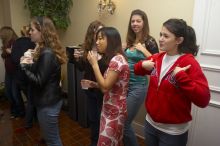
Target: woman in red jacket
[{"x": 176, "y": 81}]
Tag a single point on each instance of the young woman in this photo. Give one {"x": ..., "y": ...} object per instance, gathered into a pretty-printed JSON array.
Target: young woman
[
  {"x": 140, "y": 45},
  {"x": 114, "y": 85},
  {"x": 94, "y": 94},
  {"x": 44, "y": 74},
  {"x": 20, "y": 46},
  {"x": 176, "y": 81},
  {"x": 8, "y": 37}
]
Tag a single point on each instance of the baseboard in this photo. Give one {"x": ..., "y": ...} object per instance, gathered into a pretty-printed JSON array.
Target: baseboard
[{"x": 139, "y": 129}]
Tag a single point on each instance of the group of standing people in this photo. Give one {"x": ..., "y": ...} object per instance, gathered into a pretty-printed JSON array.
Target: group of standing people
[
  {"x": 176, "y": 81},
  {"x": 15, "y": 80},
  {"x": 117, "y": 81},
  {"x": 39, "y": 62}
]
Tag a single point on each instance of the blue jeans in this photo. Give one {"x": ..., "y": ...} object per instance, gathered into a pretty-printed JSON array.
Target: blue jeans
[
  {"x": 155, "y": 137},
  {"x": 14, "y": 95},
  {"x": 94, "y": 104},
  {"x": 135, "y": 98},
  {"x": 48, "y": 121}
]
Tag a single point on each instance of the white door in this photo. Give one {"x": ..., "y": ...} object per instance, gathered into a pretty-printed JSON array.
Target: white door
[{"x": 205, "y": 130}]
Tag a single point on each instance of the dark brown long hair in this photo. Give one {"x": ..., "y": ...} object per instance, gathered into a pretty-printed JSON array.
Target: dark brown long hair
[
  {"x": 114, "y": 45},
  {"x": 49, "y": 38},
  {"x": 131, "y": 36},
  {"x": 89, "y": 41},
  {"x": 8, "y": 36}
]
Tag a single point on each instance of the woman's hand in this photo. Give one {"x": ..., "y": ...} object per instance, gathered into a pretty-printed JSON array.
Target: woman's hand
[
  {"x": 178, "y": 69},
  {"x": 139, "y": 47},
  {"x": 142, "y": 48},
  {"x": 92, "y": 58},
  {"x": 26, "y": 60},
  {"x": 77, "y": 53},
  {"x": 94, "y": 84},
  {"x": 85, "y": 84},
  {"x": 8, "y": 50},
  {"x": 148, "y": 64}
]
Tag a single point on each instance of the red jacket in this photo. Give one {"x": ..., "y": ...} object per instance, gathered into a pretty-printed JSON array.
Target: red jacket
[{"x": 170, "y": 102}]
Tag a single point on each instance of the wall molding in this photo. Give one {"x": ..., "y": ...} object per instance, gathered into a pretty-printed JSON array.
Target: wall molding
[
  {"x": 139, "y": 129},
  {"x": 211, "y": 53},
  {"x": 214, "y": 68},
  {"x": 205, "y": 17},
  {"x": 214, "y": 104},
  {"x": 214, "y": 89}
]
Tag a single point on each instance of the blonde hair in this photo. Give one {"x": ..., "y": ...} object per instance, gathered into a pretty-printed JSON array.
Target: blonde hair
[{"x": 25, "y": 31}]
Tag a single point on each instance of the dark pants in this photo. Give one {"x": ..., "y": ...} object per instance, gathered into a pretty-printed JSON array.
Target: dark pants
[
  {"x": 30, "y": 112},
  {"x": 14, "y": 95},
  {"x": 155, "y": 137},
  {"x": 30, "y": 109},
  {"x": 94, "y": 103}
]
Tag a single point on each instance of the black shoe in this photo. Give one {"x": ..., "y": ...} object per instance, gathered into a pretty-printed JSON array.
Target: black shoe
[{"x": 12, "y": 116}]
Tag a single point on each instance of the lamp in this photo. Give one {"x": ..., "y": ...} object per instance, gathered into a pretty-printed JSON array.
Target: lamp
[{"x": 106, "y": 5}]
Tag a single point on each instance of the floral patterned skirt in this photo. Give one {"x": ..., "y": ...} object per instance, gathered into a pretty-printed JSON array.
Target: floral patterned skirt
[{"x": 112, "y": 124}]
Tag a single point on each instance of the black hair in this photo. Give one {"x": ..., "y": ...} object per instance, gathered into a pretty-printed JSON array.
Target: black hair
[
  {"x": 180, "y": 29},
  {"x": 114, "y": 44}
]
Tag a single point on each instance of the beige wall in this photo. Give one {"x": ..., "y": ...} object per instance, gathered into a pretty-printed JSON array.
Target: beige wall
[
  {"x": 3, "y": 21},
  {"x": 1, "y": 13},
  {"x": 158, "y": 11},
  {"x": 19, "y": 15},
  {"x": 85, "y": 11},
  {"x": 5, "y": 13}
]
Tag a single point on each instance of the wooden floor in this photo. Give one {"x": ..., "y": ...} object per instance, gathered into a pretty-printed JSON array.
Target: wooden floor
[{"x": 12, "y": 132}]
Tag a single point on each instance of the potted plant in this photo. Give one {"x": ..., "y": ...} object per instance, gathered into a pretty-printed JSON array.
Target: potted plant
[{"x": 57, "y": 10}]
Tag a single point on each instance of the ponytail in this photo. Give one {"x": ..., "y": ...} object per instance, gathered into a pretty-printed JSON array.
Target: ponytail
[{"x": 190, "y": 42}]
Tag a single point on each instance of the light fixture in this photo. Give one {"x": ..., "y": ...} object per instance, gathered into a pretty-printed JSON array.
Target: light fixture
[{"x": 106, "y": 5}]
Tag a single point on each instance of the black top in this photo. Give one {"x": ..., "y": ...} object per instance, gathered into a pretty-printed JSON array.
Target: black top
[
  {"x": 84, "y": 65},
  {"x": 9, "y": 65},
  {"x": 44, "y": 76},
  {"x": 151, "y": 45},
  {"x": 20, "y": 46}
]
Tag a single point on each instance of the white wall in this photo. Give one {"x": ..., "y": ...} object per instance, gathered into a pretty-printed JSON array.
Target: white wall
[{"x": 205, "y": 129}]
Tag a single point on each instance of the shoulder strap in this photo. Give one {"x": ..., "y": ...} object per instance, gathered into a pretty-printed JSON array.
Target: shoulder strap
[{"x": 151, "y": 45}]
